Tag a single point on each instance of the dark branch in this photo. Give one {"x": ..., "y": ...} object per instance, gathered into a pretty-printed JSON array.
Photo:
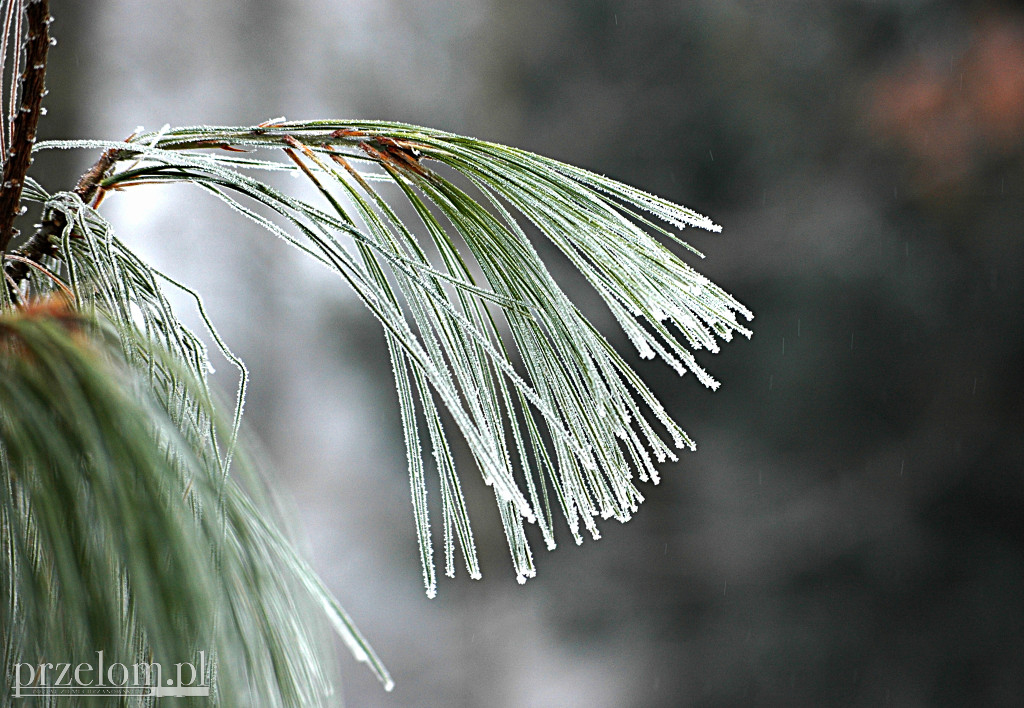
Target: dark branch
[{"x": 23, "y": 134}]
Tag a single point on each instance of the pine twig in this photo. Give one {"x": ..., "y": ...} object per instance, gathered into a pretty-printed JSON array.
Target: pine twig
[{"x": 41, "y": 243}]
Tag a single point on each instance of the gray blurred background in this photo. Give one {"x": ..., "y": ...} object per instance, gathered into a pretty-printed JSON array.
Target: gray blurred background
[{"x": 849, "y": 532}]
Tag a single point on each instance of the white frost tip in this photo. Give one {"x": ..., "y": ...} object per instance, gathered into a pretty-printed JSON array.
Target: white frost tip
[
  {"x": 389, "y": 685},
  {"x": 521, "y": 579},
  {"x": 476, "y": 575},
  {"x": 431, "y": 593}
]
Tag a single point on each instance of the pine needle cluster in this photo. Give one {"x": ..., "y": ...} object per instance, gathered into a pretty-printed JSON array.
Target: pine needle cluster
[{"x": 130, "y": 515}]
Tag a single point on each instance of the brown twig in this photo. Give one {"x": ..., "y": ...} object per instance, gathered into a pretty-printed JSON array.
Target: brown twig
[{"x": 88, "y": 187}]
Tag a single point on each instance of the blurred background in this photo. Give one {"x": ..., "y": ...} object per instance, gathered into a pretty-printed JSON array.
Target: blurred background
[{"x": 850, "y": 531}]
